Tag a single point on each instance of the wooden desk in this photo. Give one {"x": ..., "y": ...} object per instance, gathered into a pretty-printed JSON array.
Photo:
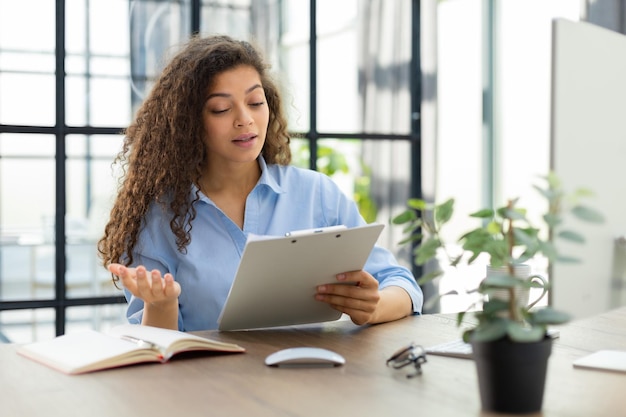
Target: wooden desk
[{"x": 241, "y": 385}]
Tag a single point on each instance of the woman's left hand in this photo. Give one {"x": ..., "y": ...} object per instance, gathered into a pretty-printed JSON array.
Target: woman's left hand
[{"x": 359, "y": 301}]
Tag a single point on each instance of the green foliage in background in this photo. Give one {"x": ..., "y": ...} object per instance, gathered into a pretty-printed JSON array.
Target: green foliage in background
[{"x": 329, "y": 162}]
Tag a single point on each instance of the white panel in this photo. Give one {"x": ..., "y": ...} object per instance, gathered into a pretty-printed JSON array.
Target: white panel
[{"x": 589, "y": 150}]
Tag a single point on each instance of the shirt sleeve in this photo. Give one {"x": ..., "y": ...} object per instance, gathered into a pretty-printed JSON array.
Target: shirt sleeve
[{"x": 149, "y": 252}]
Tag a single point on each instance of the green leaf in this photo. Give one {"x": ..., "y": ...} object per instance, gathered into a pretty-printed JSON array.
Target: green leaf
[
  {"x": 459, "y": 318},
  {"x": 549, "y": 315},
  {"x": 417, "y": 204},
  {"x": 587, "y": 214},
  {"x": 489, "y": 331},
  {"x": 412, "y": 238},
  {"x": 493, "y": 228},
  {"x": 483, "y": 214},
  {"x": 548, "y": 249},
  {"x": 514, "y": 214},
  {"x": 524, "y": 334},
  {"x": 494, "y": 305},
  {"x": 426, "y": 251},
  {"x": 552, "y": 220},
  {"x": 443, "y": 212},
  {"x": 526, "y": 237},
  {"x": 404, "y": 217},
  {"x": 571, "y": 236}
]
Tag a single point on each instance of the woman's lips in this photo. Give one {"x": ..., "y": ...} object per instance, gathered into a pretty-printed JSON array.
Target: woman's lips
[{"x": 245, "y": 137}]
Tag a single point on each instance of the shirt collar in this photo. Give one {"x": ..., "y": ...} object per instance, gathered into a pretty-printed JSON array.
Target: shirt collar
[{"x": 267, "y": 178}]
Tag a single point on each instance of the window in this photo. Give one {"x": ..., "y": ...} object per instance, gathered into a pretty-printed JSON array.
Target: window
[{"x": 70, "y": 87}]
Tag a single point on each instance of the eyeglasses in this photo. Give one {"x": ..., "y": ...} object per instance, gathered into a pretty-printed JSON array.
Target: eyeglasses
[{"x": 411, "y": 354}]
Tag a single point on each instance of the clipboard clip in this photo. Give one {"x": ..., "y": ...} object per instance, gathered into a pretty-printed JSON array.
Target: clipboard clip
[{"x": 305, "y": 232}]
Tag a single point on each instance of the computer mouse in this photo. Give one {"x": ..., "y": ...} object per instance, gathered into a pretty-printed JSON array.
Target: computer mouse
[{"x": 304, "y": 357}]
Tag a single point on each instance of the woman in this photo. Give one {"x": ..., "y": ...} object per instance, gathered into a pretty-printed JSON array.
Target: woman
[{"x": 205, "y": 164}]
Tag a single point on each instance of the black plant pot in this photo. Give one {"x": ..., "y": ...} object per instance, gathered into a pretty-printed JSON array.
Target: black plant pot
[{"x": 511, "y": 376}]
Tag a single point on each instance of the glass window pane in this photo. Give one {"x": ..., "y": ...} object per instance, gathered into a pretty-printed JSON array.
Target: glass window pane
[
  {"x": 295, "y": 64},
  {"x": 75, "y": 39},
  {"x": 297, "y": 86},
  {"x": 17, "y": 267},
  {"x": 23, "y": 211},
  {"x": 24, "y": 216},
  {"x": 91, "y": 186},
  {"x": 98, "y": 101},
  {"x": 26, "y": 62},
  {"x": 101, "y": 318},
  {"x": 27, "y": 326},
  {"x": 338, "y": 107},
  {"x": 85, "y": 277},
  {"x": 77, "y": 109},
  {"x": 370, "y": 90},
  {"x": 25, "y": 145},
  {"x": 109, "y": 102},
  {"x": 231, "y": 17},
  {"x": 98, "y": 92},
  {"x": 106, "y": 146},
  {"x": 17, "y": 20},
  {"x": 110, "y": 67},
  {"x": 102, "y": 39},
  {"x": 27, "y": 99}
]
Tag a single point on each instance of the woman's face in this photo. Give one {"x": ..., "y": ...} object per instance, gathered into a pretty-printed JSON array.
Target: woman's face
[{"x": 235, "y": 116}]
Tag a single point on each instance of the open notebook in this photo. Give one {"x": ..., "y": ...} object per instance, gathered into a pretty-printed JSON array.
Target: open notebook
[
  {"x": 276, "y": 280},
  {"x": 127, "y": 344}
]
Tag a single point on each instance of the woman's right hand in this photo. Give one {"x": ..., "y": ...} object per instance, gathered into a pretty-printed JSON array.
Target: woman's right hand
[{"x": 150, "y": 286}]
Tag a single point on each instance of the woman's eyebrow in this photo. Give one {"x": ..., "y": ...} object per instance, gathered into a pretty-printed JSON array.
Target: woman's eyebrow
[{"x": 248, "y": 91}]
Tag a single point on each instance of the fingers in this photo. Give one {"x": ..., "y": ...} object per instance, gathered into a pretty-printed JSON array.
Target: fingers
[
  {"x": 126, "y": 275},
  {"x": 150, "y": 286},
  {"x": 144, "y": 282},
  {"x": 172, "y": 288},
  {"x": 358, "y": 301}
]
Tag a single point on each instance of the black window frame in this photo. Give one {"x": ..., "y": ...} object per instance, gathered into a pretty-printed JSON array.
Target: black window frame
[{"x": 60, "y": 130}]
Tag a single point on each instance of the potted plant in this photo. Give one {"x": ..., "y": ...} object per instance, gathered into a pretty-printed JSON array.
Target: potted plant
[{"x": 509, "y": 340}]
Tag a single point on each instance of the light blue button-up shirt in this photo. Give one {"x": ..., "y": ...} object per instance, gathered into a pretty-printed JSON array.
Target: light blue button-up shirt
[{"x": 286, "y": 198}]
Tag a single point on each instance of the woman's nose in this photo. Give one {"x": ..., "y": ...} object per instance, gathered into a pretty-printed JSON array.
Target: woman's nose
[{"x": 244, "y": 118}]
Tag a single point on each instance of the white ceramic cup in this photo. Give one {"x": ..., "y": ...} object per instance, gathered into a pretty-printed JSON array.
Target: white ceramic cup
[{"x": 522, "y": 294}]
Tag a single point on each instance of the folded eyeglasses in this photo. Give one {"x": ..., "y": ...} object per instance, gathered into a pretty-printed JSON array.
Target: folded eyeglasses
[{"x": 411, "y": 354}]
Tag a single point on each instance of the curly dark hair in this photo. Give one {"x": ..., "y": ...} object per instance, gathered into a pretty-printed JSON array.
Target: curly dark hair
[{"x": 163, "y": 152}]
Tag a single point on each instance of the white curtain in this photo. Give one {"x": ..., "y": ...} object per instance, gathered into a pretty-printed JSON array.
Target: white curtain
[{"x": 385, "y": 55}]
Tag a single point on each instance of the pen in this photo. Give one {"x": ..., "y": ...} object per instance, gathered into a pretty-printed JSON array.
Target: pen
[
  {"x": 316, "y": 230},
  {"x": 141, "y": 342}
]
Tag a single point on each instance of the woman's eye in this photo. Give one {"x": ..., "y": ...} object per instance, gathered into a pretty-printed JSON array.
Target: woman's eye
[
  {"x": 218, "y": 111},
  {"x": 260, "y": 103}
]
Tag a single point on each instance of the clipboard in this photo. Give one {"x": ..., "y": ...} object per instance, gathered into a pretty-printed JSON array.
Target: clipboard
[{"x": 276, "y": 279}]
